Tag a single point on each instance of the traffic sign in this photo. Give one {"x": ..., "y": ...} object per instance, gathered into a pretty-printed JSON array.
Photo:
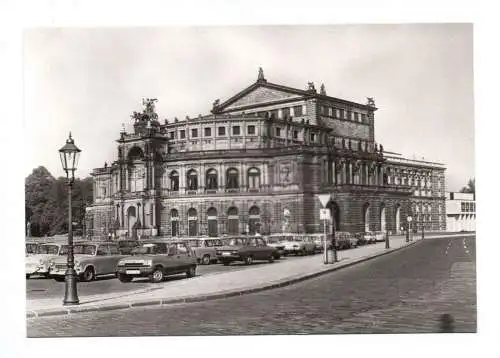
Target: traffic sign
[
  {"x": 324, "y": 199},
  {"x": 324, "y": 214}
]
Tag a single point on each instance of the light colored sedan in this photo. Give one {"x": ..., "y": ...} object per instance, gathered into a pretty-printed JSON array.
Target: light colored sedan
[
  {"x": 296, "y": 244},
  {"x": 92, "y": 259},
  {"x": 39, "y": 262},
  {"x": 205, "y": 249}
]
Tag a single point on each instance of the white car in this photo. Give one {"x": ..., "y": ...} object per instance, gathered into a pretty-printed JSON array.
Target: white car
[
  {"x": 39, "y": 262},
  {"x": 379, "y": 236},
  {"x": 298, "y": 245}
]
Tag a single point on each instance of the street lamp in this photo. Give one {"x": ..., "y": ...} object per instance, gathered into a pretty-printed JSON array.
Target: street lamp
[
  {"x": 69, "y": 159},
  {"x": 408, "y": 219}
]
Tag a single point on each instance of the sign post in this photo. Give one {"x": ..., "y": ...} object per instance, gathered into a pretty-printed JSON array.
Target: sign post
[
  {"x": 408, "y": 219},
  {"x": 324, "y": 214}
]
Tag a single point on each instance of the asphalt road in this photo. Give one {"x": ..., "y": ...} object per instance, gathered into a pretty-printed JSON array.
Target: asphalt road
[
  {"x": 38, "y": 287},
  {"x": 403, "y": 292}
]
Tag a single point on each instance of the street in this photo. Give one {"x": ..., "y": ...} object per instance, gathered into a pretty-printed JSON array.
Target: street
[{"x": 404, "y": 292}]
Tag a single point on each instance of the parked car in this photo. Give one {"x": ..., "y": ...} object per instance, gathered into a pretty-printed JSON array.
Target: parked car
[
  {"x": 318, "y": 240},
  {"x": 360, "y": 237},
  {"x": 246, "y": 249},
  {"x": 205, "y": 249},
  {"x": 92, "y": 259},
  {"x": 344, "y": 240},
  {"x": 298, "y": 245},
  {"x": 370, "y": 237},
  {"x": 126, "y": 246},
  {"x": 31, "y": 247},
  {"x": 157, "y": 259},
  {"x": 379, "y": 236},
  {"x": 275, "y": 242},
  {"x": 39, "y": 262}
]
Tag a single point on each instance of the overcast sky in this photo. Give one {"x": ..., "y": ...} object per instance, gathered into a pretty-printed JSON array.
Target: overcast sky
[{"x": 89, "y": 81}]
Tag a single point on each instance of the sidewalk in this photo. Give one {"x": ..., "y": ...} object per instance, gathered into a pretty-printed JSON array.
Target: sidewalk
[{"x": 221, "y": 285}]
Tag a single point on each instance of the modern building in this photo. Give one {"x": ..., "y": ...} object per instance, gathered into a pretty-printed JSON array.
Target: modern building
[
  {"x": 256, "y": 163},
  {"x": 460, "y": 212}
]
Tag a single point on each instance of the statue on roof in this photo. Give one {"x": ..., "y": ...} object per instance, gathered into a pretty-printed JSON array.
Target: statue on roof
[
  {"x": 370, "y": 101},
  {"x": 310, "y": 86},
  {"x": 148, "y": 113},
  {"x": 322, "y": 90},
  {"x": 261, "y": 75},
  {"x": 216, "y": 103}
]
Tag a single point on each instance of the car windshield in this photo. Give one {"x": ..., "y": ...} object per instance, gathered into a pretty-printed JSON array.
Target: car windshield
[
  {"x": 48, "y": 249},
  {"x": 273, "y": 240},
  {"x": 31, "y": 248},
  {"x": 151, "y": 248},
  {"x": 194, "y": 243},
  {"x": 79, "y": 250},
  {"x": 236, "y": 241}
]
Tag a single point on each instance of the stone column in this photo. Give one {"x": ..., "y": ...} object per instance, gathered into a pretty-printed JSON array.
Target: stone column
[{"x": 182, "y": 179}]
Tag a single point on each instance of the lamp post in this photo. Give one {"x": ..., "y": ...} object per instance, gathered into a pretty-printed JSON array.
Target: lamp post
[
  {"x": 408, "y": 227},
  {"x": 69, "y": 155},
  {"x": 422, "y": 229}
]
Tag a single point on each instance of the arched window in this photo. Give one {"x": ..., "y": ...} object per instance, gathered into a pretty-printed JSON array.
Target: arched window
[
  {"x": 211, "y": 179},
  {"x": 253, "y": 220},
  {"x": 232, "y": 178},
  {"x": 174, "y": 181},
  {"x": 232, "y": 220},
  {"x": 253, "y": 178},
  {"x": 212, "y": 222},
  {"x": 192, "y": 222},
  {"x": 174, "y": 222},
  {"x": 192, "y": 180}
]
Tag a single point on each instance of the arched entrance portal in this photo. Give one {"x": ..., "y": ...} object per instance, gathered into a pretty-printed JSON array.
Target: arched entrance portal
[
  {"x": 192, "y": 222},
  {"x": 366, "y": 216},
  {"x": 253, "y": 220},
  {"x": 382, "y": 219},
  {"x": 131, "y": 220},
  {"x": 212, "y": 222},
  {"x": 233, "y": 221},
  {"x": 398, "y": 218},
  {"x": 335, "y": 215}
]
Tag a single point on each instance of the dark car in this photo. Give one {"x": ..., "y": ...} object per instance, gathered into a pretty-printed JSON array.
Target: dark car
[
  {"x": 157, "y": 259},
  {"x": 245, "y": 249},
  {"x": 126, "y": 246},
  {"x": 360, "y": 236}
]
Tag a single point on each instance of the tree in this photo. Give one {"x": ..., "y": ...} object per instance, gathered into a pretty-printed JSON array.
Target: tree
[
  {"x": 46, "y": 202},
  {"x": 470, "y": 188}
]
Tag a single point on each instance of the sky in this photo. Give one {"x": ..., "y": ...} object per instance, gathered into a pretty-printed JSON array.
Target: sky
[{"x": 89, "y": 80}]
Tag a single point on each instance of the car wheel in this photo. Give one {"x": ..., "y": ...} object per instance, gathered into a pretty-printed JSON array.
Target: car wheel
[
  {"x": 59, "y": 278},
  {"x": 157, "y": 275},
  {"x": 271, "y": 258},
  {"x": 225, "y": 263},
  {"x": 27, "y": 276},
  {"x": 205, "y": 260},
  {"x": 124, "y": 277},
  {"x": 248, "y": 260},
  {"x": 277, "y": 256},
  {"x": 88, "y": 275},
  {"x": 191, "y": 272}
]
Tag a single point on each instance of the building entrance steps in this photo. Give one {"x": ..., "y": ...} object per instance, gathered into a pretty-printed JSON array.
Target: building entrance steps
[{"x": 220, "y": 285}]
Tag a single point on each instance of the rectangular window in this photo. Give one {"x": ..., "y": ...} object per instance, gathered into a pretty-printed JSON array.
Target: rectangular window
[
  {"x": 183, "y": 133},
  {"x": 274, "y": 114},
  {"x": 313, "y": 137},
  {"x": 295, "y": 134},
  {"x": 278, "y": 132},
  {"x": 222, "y": 131},
  {"x": 285, "y": 113},
  {"x": 363, "y": 118},
  {"x": 297, "y": 111},
  {"x": 194, "y": 133},
  {"x": 337, "y": 113},
  {"x": 236, "y": 130},
  {"x": 208, "y": 132},
  {"x": 330, "y": 112},
  {"x": 171, "y": 135},
  {"x": 251, "y": 129}
]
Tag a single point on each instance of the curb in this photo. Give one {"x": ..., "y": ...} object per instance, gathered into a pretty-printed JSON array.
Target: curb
[{"x": 31, "y": 314}]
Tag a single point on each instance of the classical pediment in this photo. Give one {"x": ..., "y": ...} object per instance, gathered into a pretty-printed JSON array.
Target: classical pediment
[{"x": 259, "y": 95}]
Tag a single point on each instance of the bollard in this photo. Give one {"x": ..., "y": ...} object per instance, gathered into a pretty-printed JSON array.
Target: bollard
[{"x": 386, "y": 240}]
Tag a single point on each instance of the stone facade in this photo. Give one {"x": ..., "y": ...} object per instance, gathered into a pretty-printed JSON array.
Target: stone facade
[{"x": 256, "y": 164}]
